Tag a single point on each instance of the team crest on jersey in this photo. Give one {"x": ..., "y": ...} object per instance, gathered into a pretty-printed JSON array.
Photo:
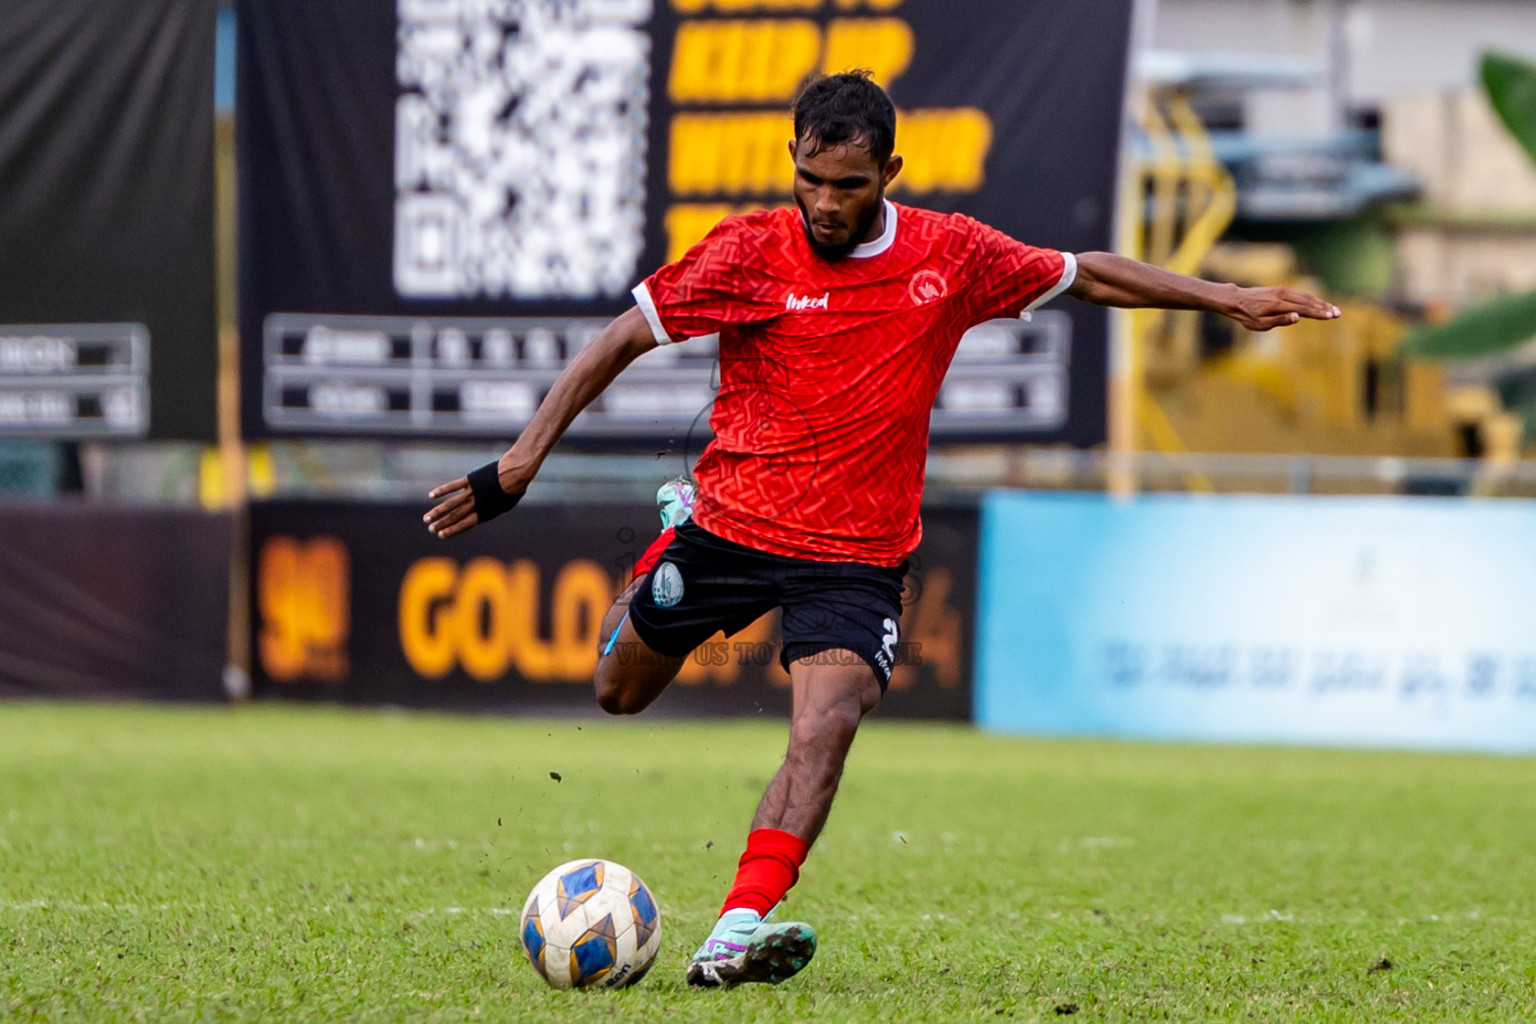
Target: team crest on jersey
[
  {"x": 927, "y": 286},
  {"x": 667, "y": 585}
]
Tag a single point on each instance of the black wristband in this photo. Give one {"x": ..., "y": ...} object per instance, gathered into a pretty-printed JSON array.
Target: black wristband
[{"x": 490, "y": 500}]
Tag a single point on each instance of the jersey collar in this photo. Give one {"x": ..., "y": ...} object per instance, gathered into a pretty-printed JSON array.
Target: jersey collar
[{"x": 887, "y": 237}]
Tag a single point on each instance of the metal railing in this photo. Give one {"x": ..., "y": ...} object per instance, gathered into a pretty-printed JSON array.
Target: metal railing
[{"x": 168, "y": 474}]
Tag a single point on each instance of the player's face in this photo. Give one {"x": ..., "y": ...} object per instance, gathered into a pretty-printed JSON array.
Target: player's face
[{"x": 839, "y": 190}]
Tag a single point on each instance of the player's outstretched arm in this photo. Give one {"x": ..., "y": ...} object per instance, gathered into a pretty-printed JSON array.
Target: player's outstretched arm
[
  {"x": 1109, "y": 280},
  {"x": 622, "y": 342}
]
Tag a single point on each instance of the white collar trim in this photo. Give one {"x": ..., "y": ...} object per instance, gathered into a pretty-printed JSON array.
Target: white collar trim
[{"x": 885, "y": 241}]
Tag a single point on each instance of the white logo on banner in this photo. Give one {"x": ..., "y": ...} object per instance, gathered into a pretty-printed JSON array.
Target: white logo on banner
[{"x": 520, "y": 144}]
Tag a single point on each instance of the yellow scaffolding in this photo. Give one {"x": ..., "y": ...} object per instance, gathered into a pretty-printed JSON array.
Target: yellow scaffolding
[{"x": 1180, "y": 201}]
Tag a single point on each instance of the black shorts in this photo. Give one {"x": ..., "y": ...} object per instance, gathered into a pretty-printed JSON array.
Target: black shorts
[{"x": 705, "y": 583}]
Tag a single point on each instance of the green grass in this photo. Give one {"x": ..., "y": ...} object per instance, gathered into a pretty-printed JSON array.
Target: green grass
[{"x": 281, "y": 864}]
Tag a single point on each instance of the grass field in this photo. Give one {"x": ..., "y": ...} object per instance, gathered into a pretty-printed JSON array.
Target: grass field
[{"x": 279, "y": 864}]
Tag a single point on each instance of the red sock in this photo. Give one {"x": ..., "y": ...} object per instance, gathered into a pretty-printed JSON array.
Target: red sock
[
  {"x": 652, "y": 554},
  {"x": 767, "y": 871}
]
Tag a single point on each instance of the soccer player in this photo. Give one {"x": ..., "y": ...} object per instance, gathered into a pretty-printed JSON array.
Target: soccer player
[{"x": 838, "y": 318}]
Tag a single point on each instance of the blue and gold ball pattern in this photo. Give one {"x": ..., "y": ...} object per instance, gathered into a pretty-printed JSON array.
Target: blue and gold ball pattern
[
  {"x": 533, "y": 939},
  {"x": 643, "y": 908},
  {"x": 594, "y": 954},
  {"x": 591, "y": 924},
  {"x": 578, "y": 886}
]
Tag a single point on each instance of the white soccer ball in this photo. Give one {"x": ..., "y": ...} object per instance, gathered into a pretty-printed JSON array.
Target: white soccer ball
[{"x": 591, "y": 924}]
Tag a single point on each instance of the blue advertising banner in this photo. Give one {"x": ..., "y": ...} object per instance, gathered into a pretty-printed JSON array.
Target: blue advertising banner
[{"x": 1351, "y": 621}]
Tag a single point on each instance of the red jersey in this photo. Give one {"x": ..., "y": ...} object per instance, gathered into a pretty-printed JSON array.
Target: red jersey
[{"x": 829, "y": 369}]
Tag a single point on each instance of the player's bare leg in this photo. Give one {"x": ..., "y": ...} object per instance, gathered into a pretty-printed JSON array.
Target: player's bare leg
[
  {"x": 630, "y": 676},
  {"x": 831, "y": 696},
  {"x": 829, "y": 702}
]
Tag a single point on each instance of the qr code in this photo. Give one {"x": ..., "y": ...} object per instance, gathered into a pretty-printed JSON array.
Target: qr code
[{"x": 520, "y": 145}]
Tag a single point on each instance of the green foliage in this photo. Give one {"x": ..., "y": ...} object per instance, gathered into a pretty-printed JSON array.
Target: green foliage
[
  {"x": 1511, "y": 86},
  {"x": 1506, "y": 320},
  {"x": 1495, "y": 325},
  {"x": 1353, "y": 257},
  {"x": 298, "y": 865}
]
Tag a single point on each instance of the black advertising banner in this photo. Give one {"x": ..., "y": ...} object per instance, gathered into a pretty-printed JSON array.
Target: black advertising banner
[
  {"x": 359, "y": 604},
  {"x": 107, "y": 320},
  {"x": 444, "y": 200},
  {"x": 114, "y": 603}
]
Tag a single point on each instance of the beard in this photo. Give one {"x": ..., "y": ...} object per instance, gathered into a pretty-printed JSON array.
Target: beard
[{"x": 834, "y": 253}]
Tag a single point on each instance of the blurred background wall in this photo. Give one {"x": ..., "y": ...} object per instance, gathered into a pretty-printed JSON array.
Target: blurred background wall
[{"x": 1380, "y": 152}]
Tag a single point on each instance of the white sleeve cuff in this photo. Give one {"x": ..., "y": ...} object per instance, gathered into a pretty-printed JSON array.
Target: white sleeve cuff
[
  {"x": 1068, "y": 278},
  {"x": 647, "y": 306}
]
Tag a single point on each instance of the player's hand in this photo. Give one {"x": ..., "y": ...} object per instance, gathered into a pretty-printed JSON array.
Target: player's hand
[
  {"x": 1264, "y": 309},
  {"x": 456, "y": 511}
]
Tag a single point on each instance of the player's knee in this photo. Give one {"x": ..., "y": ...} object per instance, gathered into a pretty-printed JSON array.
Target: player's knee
[
  {"x": 616, "y": 702},
  {"x": 620, "y": 692},
  {"x": 612, "y": 696}
]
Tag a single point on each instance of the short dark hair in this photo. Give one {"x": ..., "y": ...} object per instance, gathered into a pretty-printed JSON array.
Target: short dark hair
[{"x": 847, "y": 108}]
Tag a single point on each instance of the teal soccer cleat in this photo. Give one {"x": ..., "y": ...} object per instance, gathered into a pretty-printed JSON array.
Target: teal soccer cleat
[
  {"x": 675, "y": 502},
  {"x": 744, "y": 948}
]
